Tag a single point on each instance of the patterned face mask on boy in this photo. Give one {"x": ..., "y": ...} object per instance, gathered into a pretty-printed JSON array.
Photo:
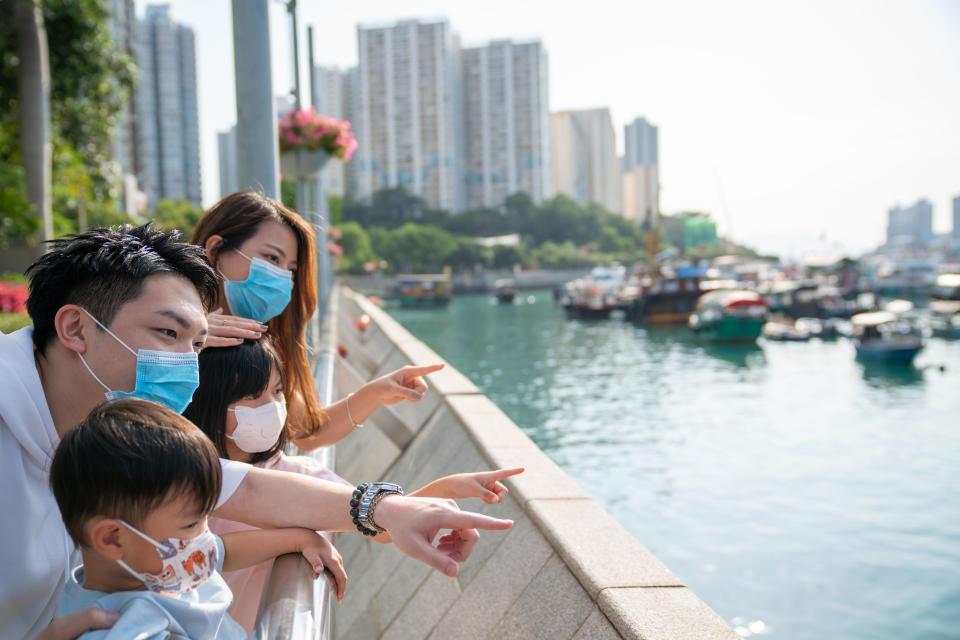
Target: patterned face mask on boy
[
  {"x": 264, "y": 294},
  {"x": 162, "y": 377},
  {"x": 258, "y": 427},
  {"x": 186, "y": 563}
]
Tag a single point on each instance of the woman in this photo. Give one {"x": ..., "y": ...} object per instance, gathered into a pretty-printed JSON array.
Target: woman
[{"x": 267, "y": 257}]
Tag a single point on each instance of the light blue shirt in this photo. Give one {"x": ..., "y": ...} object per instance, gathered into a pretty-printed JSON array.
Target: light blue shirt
[{"x": 200, "y": 614}]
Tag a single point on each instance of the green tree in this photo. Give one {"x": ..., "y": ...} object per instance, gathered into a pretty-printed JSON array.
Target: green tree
[
  {"x": 335, "y": 205},
  {"x": 91, "y": 78},
  {"x": 479, "y": 222},
  {"x": 288, "y": 193},
  {"x": 519, "y": 207},
  {"x": 611, "y": 241},
  {"x": 177, "y": 214},
  {"x": 416, "y": 248},
  {"x": 393, "y": 207},
  {"x": 506, "y": 256},
  {"x": 357, "y": 249},
  {"x": 468, "y": 254},
  {"x": 551, "y": 255},
  {"x": 16, "y": 223}
]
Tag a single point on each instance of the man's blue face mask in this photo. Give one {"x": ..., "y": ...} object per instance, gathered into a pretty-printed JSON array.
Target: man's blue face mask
[
  {"x": 162, "y": 377},
  {"x": 263, "y": 295}
]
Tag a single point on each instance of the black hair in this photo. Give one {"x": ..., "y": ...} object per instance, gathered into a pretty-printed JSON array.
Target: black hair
[
  {"x": 126, "y": 459},
  {"x": 102, "y": 269},
  {"x": 229, "y": 374}
]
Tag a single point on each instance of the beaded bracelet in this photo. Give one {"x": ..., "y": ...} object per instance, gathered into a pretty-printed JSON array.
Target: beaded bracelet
[{"x": 364, "y": 502}]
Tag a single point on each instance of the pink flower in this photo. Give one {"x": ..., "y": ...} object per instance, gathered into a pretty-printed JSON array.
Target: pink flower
[
  {"x": 307, "y": 129},
  {"x": 13, "y": 297}
]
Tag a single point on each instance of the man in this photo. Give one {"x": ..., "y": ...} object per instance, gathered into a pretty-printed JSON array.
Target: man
[{"x": 122, "y": 312}]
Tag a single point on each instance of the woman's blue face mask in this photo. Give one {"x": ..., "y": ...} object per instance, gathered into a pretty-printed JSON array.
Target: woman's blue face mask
[
  {"x": 162, "y": 377},
  {"x": 263, "y": 295}
]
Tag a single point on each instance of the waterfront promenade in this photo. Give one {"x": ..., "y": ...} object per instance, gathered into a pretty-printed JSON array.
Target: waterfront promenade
[{"x": 567, "y": 569}]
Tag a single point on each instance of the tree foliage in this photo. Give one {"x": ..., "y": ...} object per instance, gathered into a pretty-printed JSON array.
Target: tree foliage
[
  {"x": 177, "y": 214},
  {"x": 357, "y": 249},
  {"x": 558, "y": 232},
  {"x": 91, "y": 77}
]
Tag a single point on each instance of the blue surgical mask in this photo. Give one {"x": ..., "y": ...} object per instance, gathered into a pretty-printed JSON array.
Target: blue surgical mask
[
  {"x": 162, "y": 377},
  {"x": 263, "y": 295}
]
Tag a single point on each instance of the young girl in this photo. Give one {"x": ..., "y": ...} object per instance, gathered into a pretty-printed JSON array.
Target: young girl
[
  {"x": 240, "y": 405},
  {"x": 266, "y": 255}
]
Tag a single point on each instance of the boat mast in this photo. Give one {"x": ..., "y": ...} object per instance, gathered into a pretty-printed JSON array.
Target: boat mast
[{"x": 652, "y": 224}]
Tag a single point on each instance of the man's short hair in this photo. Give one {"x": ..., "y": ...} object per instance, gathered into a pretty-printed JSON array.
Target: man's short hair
[
  {"x": 126, "y": 459},
  {"x": 102, "y": 269}
]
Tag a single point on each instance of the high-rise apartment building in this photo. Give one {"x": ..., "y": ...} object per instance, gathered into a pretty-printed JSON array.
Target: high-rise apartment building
[
  {"x": 408, "y": 118},
  {"x": 585, "y": 162},
  {"x": 506, "y": 123},
  {"x": 956, "y": 218},
  {"x": 168, "y": 136},
  {"x": 351, "y": 106},
  {"x": 640, "y": 144},
  {"x": 122, "y": 24},
  {"x": 641, "y": 171},
  {"x": 910, "y": 225},
  {"x": 227, "y": 154}
]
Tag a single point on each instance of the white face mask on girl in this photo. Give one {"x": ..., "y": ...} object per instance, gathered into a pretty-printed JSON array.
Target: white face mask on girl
[
  {"x": 258, "y": 428},
  {"x": 186, "y": 563}
]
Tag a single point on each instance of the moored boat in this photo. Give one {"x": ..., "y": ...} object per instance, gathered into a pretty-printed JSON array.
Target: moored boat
[
  {"x": 596, "y": 295},
  {"x": 883, "y": 336},
  {"x": 785, "y": 332},
  {"x": 505, "y": 289},
  {"x": 947, "y": 287},
  {"x": 670, "y": 300},
  {"x": 729, "y": 316},
  {"x": 945, "y": 307},
  {"x": 422, "y": 290}
]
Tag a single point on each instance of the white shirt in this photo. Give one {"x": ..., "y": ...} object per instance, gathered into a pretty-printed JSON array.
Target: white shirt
[{"x": 37, "y": 552}]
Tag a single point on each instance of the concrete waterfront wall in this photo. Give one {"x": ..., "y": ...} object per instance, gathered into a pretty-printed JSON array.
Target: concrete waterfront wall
[
  {"x": 566, "y": 569},
  {"x": 482, "y": 281}
]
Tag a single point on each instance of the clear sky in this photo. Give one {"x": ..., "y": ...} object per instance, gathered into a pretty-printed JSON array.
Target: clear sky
[{"x": 796, "y": 124}]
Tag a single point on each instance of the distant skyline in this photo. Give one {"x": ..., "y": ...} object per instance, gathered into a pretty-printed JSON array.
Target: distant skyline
[{"x": 788, "y": 122}]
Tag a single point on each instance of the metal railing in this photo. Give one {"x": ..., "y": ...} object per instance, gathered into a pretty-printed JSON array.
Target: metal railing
[{"x": 295, "y": 604}]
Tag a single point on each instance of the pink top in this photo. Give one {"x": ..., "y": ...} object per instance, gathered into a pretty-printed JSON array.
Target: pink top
[{"x": 248, "y": 584}]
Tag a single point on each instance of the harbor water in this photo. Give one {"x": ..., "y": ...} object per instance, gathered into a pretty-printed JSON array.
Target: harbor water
[{"x": 800, "y": 493}]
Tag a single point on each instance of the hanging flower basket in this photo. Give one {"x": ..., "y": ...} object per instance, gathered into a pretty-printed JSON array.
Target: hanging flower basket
[
  {"x": 303, "y": 164},
  {"x": 308, "y": 140}
]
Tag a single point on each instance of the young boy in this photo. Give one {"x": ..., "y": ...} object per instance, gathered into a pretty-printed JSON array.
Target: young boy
[{"x": 135, "y": 482}]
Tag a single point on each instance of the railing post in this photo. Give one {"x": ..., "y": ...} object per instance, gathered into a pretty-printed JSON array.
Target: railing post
[
  {"x": 257, "y": 149},
  {"x": 295, "y": 604}
]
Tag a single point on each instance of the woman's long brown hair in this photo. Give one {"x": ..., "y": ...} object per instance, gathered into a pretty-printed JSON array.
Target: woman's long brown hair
[{"x": 236, "y": 218}]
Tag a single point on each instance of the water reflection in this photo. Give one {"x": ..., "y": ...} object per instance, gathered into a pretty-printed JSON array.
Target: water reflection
[
  {"x": 741, "y": 356},
  {"x": 885, "y": 375}
]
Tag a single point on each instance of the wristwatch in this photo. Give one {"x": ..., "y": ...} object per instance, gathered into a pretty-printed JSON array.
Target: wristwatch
[{"x": 364, "y": 503}]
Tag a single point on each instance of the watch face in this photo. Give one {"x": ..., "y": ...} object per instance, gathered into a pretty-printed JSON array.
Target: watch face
[{"x": 379, "y": 487}]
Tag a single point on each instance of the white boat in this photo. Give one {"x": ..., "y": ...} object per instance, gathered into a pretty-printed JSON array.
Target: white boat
[
  {"x": 881, "y": 335},
  {"x": 945, "y": 307},
  {"x": 784, "y": 332},
  {"x": 596, "y": 295}
]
